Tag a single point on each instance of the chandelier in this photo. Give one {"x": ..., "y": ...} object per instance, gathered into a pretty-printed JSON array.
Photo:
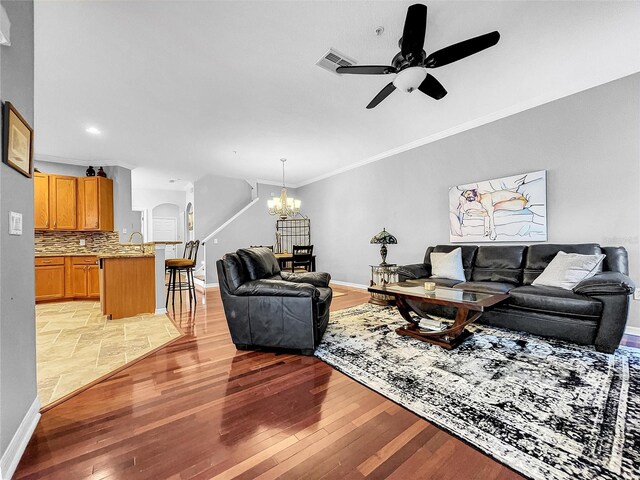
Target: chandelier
[{"x": 283, "y": 206}]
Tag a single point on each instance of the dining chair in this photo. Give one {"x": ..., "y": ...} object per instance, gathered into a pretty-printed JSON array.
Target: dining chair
[{"x": 302, "y": 258}]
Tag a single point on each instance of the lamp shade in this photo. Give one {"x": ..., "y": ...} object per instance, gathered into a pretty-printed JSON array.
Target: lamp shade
[{"x": 384, "y": 237}]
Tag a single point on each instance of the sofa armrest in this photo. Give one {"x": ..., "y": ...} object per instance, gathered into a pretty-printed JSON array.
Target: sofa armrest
[
  {"x": 606, "y": 283},
  {"x": 417, "y": 270},
  {"x": 276, "y": 288},
  {"x": 317, "y": 279}
]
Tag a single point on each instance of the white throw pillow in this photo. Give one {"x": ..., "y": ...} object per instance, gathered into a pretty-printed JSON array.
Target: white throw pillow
[
  {"x": 567, "y": 270},
  {"x": 447, "y": 265}
]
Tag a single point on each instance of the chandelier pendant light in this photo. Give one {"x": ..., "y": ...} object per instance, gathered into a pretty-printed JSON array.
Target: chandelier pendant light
[{"x": 283, "y": 206}]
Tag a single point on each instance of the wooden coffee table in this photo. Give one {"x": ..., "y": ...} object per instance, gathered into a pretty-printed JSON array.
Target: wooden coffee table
[{"x": 470, "y": 306}]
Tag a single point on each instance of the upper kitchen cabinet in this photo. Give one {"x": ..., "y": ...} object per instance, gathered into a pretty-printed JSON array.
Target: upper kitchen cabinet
[
  {"x": 41, "y": 201},
  {"x": 73, "y": 203},
  {"x": 95, "y": 203},
  {"x": 62, "y": 202}
]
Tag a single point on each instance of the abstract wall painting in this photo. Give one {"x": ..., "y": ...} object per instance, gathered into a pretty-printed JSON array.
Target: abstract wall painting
[{"x": 508, "y": 209}]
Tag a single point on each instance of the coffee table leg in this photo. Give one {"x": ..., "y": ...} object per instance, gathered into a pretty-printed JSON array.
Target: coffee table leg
[
  {"x": 448, "y": 338},
  {"x": 405, "y": 310}
]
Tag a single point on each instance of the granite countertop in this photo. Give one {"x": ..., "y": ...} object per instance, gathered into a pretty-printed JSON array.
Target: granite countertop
[
  {"x": 126, "y": 255},
  {"x": 99, "y": 255}
]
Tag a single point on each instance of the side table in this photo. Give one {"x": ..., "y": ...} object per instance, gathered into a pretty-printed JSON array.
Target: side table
[{"x": 381, "y": 275}]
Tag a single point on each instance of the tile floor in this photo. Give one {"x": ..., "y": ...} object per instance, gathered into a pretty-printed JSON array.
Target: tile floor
[{"x": 76, "y": 344}]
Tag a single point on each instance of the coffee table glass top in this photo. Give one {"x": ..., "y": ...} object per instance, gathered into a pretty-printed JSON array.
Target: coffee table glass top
[{"x": 440, "y": 293}]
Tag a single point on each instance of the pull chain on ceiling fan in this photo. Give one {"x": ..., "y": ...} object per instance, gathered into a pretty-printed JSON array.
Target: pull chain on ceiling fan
[{"x": 411, "y": 62}]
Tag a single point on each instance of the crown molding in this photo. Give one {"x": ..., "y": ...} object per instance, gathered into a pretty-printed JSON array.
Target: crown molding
[
  {"x": 492, "y": 117},
  {"x": 42, "y": 157}
]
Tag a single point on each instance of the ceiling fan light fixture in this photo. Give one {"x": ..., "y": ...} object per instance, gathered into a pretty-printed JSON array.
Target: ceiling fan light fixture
[{"x": 410, "y": 79}]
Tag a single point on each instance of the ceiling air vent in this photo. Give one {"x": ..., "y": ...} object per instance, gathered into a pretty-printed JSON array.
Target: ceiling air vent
[{"x": 334, "y": 59}]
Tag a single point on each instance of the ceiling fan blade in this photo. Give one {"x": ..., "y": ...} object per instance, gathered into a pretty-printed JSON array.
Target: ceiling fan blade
[
  {"x": 384, "y": 93},
  {"x": 458, "y": 51},
  {"x": 367, "y": 69},
  {"x": 432, "y": 87},
  {"x": 415, "y": 27}
]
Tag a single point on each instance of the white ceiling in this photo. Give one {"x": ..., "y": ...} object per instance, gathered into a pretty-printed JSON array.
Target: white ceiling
[{"x": 176, "y": 87}]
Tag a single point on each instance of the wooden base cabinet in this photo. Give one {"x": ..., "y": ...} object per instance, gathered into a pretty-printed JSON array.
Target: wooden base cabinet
[
  {"x": 127, "y": 286},
  {"x": 67, "y": 278},
  {"x": 85, "y": 277},
  {"x": 50, "y": 278}
]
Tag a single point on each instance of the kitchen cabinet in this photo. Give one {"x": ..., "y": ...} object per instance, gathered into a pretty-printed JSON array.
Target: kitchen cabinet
[
  {"x": 95, "y": 204},
  {"x": 85, "y": 277},
  {"x": 50, "y": 278},
  {"x": 73, "y": 203},
  {"x": 62, "y": 202},
  {"x": 41, "y": 201},
  {"x": 127, "y": 285}
]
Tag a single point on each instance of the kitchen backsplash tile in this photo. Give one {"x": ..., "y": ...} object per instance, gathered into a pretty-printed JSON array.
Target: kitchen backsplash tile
[{"x": 67, "y": 243}]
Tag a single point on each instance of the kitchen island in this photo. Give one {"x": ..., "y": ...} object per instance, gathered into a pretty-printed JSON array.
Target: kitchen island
[{"x": 127, "y": 284}]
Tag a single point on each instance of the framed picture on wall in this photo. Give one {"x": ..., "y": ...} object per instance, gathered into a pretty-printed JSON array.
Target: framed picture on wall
[
  {"x": 17, "y": 136},
  {"x": 507, "y": 209}
]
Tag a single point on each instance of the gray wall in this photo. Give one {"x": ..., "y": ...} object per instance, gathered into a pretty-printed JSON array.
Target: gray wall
[
  {"x": 254, "y": 227},
  {"x": 216, "y": 199},
  {"x": 17, "y": 302},
  {"x": 123, "y": 216},
  {"x": 588, "y": 143}
]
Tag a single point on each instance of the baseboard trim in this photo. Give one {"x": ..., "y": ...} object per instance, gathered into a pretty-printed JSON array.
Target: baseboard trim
[
  {"x": 212, "y": 285},
  {"x": 349, "y": 284},
  {"x": 18, "y": 444},
  {"x": 160, "y": 311},
  {"x": 632, "y": 331}
]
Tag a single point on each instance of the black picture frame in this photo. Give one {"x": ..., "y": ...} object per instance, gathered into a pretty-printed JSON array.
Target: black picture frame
[{"x": 17, "y": 141}]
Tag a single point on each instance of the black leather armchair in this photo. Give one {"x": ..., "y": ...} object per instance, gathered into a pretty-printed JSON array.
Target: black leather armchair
[{"x": 265, "y": 307}]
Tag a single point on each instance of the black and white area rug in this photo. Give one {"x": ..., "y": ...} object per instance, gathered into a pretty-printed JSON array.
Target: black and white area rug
[{"x": 546, "y": 408}]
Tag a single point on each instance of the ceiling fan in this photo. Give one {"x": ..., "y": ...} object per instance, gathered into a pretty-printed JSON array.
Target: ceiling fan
[{"x": 411, "y": 62}]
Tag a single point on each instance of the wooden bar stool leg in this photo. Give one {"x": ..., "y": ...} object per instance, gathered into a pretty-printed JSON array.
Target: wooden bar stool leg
[{"x": 180, "y": 284}]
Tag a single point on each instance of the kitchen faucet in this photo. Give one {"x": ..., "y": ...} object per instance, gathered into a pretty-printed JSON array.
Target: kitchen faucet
[{"x": 141, "y": 240}]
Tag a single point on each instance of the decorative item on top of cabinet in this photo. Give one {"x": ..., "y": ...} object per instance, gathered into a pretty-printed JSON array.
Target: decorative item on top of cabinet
[
  {"x": 90, "y": 172},
  {"x": 101, "y": 173},
  {"x": 95, "y": 203}
]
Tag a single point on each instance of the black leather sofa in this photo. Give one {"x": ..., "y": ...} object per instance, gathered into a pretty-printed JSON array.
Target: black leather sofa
[
  {"x": 594, "y": 313},
  {"x": 266, "y": 307}
]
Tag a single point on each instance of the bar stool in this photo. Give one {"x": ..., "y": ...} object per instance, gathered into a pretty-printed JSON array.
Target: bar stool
[{"x": 176, "y": 266}]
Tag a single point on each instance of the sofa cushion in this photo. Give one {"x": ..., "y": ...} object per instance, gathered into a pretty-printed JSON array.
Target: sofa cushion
[
  {"x": 486, "y": 287},
  {"x": 554, "y": 300},
  {"x": 567, "y": 270},
  {"x": 234, "y": 271},
  {"x": 539, "y": 256},
  {"x": 260, "y": 262},
  {"x": 499, "y": 264},
  {"x": 447, "y": 265},
  {"x": 468, "y": 256}
]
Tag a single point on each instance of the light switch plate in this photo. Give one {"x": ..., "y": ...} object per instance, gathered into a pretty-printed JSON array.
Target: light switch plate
[
  {"x": 83, "y": 242},
  {"x": 15, "y": 223},
  {"x": 215, "y": 240},
  {"x": 124, "y": 230}
]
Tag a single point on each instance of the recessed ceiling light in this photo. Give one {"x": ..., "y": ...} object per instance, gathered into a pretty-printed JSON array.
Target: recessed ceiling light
[{"x": 92, "y": 130}]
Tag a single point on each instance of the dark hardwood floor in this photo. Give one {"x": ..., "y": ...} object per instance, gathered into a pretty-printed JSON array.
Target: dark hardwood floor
[{"x": 200, "y": 409}]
